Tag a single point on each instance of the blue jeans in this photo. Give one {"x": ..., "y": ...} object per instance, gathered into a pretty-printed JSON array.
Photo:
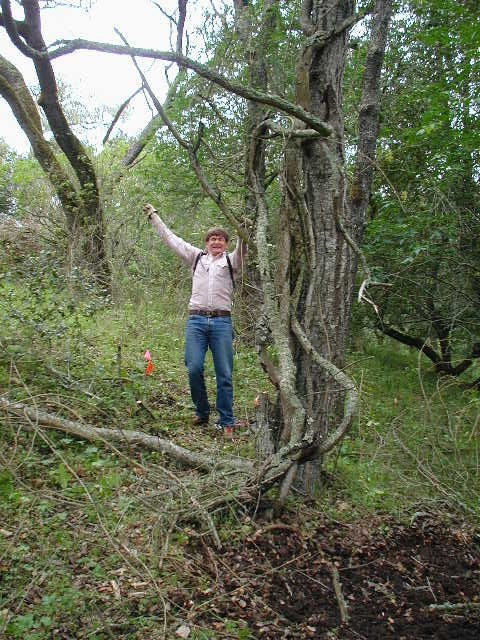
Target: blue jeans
[{"x": 215, "y": 334}]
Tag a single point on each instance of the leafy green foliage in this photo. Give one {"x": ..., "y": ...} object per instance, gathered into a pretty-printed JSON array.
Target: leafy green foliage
[
  {"x": 423, "y": 236},
  {"x": 7, "y": 486}
]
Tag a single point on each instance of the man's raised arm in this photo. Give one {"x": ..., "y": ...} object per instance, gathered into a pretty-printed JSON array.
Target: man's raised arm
[{"x": 184, "y": 250}]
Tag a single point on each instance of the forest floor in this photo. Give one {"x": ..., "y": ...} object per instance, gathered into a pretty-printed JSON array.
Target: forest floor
[
  {"x": 99, "y": 542},
  {"x": 384, "y": 579}
]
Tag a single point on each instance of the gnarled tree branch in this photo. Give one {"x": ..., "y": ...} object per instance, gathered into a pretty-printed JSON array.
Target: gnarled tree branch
[
  {"x": 351, "y": 394},
  {"x": 250, "y": 93}
]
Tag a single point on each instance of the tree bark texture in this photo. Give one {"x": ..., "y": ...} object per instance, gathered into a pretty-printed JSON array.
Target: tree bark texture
[{"x": 325, "y": 302}]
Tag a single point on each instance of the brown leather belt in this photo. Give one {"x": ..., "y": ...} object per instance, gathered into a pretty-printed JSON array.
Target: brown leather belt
[{"x": 215, "y": 313}]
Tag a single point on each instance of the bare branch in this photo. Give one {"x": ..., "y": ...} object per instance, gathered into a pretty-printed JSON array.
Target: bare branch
[
  {"x": 155, "y": 100},
  {"x": 119, "y": 112},
  {"x": 353, "y": 19},
  {"x": 214, "y": 108},
  {"x": 250, "y": 93},
  {"x": 219, "y": 15},
  {"x": 215, "y": 194},
  {"x": 182, "y": 14},
  {"x": 442, "y": 364},
  {"x": 319, "y": 38},
  {"x": 88, "y": 432},
  {"x": 11, "y": 28},
  {"x": 162, "y": 10},
  {"x": 153, "y": 126},
  {"x": 292, "y": 133},
  {"x": 249, "y": 479},
  {"x": 337, "y": 585}
]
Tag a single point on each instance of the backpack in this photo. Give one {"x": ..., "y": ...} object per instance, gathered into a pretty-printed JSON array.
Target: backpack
[{"x": 230, "y": 268}]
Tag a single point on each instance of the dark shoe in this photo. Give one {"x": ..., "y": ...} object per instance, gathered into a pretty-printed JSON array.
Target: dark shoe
[{"x": 197, "y": 421}]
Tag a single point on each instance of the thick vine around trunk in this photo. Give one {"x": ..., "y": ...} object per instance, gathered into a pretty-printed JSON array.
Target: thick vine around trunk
[
  {"x": 254, "y": 48},
  {"x": 83, "y": 211}
]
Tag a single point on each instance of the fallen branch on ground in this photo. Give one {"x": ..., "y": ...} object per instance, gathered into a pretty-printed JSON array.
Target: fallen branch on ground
[
  {"x": 155, "y": 443},
  {"x": 251, "y": 476},
  {"x": 450, "y": 606}
]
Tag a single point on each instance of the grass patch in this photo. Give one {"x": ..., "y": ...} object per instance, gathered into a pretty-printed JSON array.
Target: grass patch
[{"x": 415, "y": 439}]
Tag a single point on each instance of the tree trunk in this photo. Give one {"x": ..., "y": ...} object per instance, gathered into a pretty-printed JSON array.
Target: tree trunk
[
  {"x": 307, "y": 301},
  {"x": 324, "y": 305},
  {"x": 81, "y": 202},
  {"x": 325, "y": 301}
]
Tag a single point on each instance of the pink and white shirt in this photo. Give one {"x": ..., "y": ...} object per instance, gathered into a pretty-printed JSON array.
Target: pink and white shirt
[{"x": 212, "y": 286}]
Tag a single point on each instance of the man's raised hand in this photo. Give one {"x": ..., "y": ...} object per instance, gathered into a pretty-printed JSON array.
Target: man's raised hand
[{"x": 149, "y": 210}]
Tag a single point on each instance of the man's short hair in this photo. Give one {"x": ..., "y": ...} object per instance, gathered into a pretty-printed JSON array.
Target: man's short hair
[{"x": 217, "y": 231}]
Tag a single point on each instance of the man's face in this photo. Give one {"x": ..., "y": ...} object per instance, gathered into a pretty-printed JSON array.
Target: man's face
[{"x": 216, "y": 245}]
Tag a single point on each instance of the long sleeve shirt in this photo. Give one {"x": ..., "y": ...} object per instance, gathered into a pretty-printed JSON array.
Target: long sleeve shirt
[{"x": 212, "y": 286}]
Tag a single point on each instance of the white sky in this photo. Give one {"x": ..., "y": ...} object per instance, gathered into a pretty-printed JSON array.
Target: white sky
[{"x": 95, "y": 78}]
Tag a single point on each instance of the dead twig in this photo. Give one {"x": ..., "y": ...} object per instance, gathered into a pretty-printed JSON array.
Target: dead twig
[
  {"x": 89, "y": 432},
  {"x": 275, "y": 527},
  {"x": 450, "y": 606},
  {"x": 337, "y": 586}
]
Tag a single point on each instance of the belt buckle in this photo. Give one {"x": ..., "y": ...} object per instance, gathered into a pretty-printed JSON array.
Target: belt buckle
[{"x": 209, "y": 314}]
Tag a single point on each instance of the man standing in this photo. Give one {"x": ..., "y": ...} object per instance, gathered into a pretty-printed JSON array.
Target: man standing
[{"x": 209, "y": 323}]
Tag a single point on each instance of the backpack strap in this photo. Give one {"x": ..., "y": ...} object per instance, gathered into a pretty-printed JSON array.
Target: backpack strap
[
  {"x": 230, "y": 268},
  {"x": 202, "y": 253}
]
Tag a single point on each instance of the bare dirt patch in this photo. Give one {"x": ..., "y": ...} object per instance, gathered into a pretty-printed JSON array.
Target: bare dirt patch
[{"x": 402, "y": 581}]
